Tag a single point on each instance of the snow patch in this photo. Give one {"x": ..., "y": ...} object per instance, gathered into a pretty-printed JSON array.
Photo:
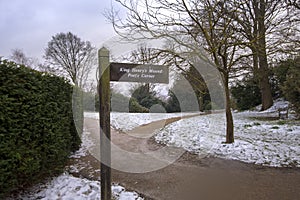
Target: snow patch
[
  {"x": 271, "y": 143},
  {"x": 67, "y": 187},
  {"x": 129, "y": 121},
  {"x": 85, "y": 145}
]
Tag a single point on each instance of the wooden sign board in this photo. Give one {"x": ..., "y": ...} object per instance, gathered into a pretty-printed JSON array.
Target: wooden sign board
[{"x": 128, "y": 72}]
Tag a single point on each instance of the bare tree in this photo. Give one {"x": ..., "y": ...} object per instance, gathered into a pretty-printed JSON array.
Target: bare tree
[
  {"x": 294, "y": 3},
  {"x": 20, "y": 57},
  {"x": 68, "y": 55},
  {"x": 260, "y": 51},
  {"x": 191, "y": 26},
  {"x": 176, "y": 62},
  {"x": 269, "y": 29}
]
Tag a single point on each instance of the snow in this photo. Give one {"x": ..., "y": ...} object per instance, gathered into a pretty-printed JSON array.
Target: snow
[
  {"x": 278, "y": 103},
  {"x": 67, "y": 187},
  {"x": 271, "y": 143},
  {"x": 129, "y": 121},
  {"x": 86, "y": 144},
  {"x": 257, "y": 140},
  {"x": 259, "y": 137}
]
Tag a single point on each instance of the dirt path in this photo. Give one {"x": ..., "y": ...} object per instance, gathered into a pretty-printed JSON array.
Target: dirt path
[{"x": 192, "y": 177}]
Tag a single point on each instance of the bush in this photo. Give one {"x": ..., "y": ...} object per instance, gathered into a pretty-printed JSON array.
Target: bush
[
  {"x": 37, "y": 130},
  {"x": 172, "y": 104},
  {"x": 291, "y": 87},
  {"x": 89, "y": 101},
  {"x": 145, "y": 97},
  {"x": 119, "y": 102},
  {"x": 279, "y": 74},
  {"x": 246, "y": 94},
  {"x": 135, "y": 107}
]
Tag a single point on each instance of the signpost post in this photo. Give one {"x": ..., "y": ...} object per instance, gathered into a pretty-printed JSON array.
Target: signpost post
[
  {"x": 104, "y": 112},
  {"x": 125, "y": 72}
]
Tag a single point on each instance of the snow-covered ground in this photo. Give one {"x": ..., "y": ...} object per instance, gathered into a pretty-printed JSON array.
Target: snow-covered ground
[
  {"x": 270, "y": 143},
  {"x": 68, "y": 187},
  {"x": 129, "y": 121},
  {"x": 259, "y": 138}
]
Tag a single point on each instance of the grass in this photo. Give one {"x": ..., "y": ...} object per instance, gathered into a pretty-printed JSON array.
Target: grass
[
  {"x": 281, "y": 122},
  {"x": 264, "y": 118},
  {"x": 247, "y": 125},
  {"x": 275, "y": 127}
]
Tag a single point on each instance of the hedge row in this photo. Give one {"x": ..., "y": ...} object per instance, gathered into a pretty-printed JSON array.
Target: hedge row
[{"x": 37, "y": 130}]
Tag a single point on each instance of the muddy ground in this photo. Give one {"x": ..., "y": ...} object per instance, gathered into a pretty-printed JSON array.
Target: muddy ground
[{"x": 192, "y": 177}]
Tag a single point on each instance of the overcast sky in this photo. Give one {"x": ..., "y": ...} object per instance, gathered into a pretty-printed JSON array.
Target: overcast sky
[{"x": 30, "y": 24}]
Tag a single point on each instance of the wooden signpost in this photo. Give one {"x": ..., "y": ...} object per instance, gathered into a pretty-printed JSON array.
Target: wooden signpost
[
  {"x": 123, "y": 72},
  {"x": 128, "y": 72}
]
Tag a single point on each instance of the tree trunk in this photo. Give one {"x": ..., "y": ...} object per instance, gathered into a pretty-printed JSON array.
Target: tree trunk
[
  {"x": 263, "y": 75},
  {"x": 255, "y": 65},
  {"x": 264, "y": 83},
  {"x": 229, "y": 118},
  {"x": 200, "y": 102},
  {"x": 265, "y": 87}
]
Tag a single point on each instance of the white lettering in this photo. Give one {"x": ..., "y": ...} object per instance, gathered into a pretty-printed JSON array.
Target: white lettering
[
  {"x": 137, "y": 70},
  {"x": 148, "y": 76},
  {"x": 124, "y": 70},
  {"x": 133, "y": 75},
  {"x": 155, "y": 71}
]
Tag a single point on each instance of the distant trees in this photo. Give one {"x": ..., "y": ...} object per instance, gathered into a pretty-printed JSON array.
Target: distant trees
[
  {"x": 189, "y": 93},
  {"x": 119, "y": 102},
  {"x": 66, "y": 54},
  {"x": 145, "y": 96},
  {"x": 232, "y": 33},
  {"x": 20, "y": 57},
  {"x": 268, "y": 28},
  {"x": 69, "y": 56},
  {"x": 190, "y": 27}
]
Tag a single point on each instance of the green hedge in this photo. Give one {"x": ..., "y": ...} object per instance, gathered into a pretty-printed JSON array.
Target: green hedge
[{"x": 37, "y": 130}]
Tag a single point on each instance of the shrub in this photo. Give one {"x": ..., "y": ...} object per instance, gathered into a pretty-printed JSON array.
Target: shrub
[
  {"x": 135, "y": 107},
  {"x": 119, "y": 102},
  {"x": 246, "y": 94},
  {"x": 291, "y": 87},
  {"x": 279, "y": 76},
  {"x": 89, "y": 101},
  {"x": 37, "y": 130},
  {"x": 145, "y": 97},
  {"x": 172, "y": 104}
]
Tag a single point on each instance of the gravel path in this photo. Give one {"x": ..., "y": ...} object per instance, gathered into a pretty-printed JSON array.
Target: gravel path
[{"x": 192, "y": 177}]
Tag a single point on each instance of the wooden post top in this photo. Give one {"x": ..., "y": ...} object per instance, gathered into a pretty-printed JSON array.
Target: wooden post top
[{"x": 103, "y": 52}]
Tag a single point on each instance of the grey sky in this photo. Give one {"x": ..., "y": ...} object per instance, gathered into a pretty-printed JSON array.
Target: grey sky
[{"x": 29, "y": 25}]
